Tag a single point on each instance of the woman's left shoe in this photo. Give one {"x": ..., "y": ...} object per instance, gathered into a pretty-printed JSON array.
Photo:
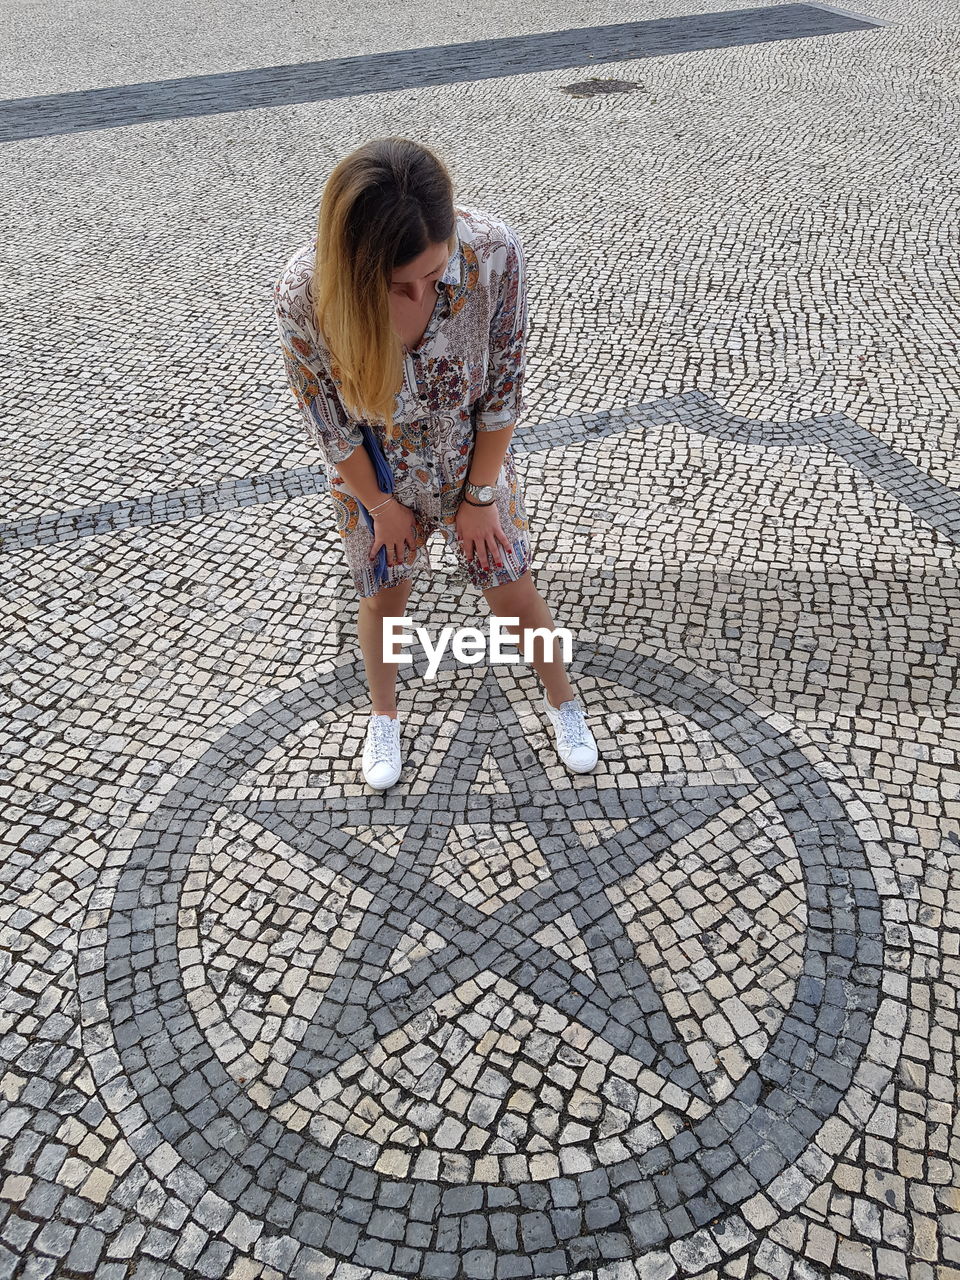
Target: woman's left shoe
[{"x": 576, "y": 745}]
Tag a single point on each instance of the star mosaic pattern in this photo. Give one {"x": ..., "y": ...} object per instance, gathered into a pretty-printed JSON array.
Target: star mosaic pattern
[{"x": 489, "y": 985}]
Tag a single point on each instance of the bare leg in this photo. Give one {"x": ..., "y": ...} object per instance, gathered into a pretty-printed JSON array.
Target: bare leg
[
  {"x": 389, "y": 602},
  {"x": 522, "y": 600}
]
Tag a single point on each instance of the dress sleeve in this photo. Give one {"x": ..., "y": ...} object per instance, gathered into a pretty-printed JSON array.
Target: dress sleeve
[
  {"x": 327, "y": 422},
  {"x": 501, "y": 404}
]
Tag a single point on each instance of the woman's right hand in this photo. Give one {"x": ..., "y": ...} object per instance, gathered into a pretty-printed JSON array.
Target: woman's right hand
[{"x": 394, "y": 527}]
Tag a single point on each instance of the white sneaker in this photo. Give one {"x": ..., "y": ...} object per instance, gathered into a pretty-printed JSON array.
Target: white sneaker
[
  {"x": 576, "y": 745},
  {"x": 381, "y": 752}
]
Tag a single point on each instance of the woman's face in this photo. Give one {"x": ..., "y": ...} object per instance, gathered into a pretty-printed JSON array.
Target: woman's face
[{"x": 410, "y": 282}]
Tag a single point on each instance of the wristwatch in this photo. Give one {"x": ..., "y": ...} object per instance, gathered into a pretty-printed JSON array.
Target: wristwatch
[{"x": 483, "y": 493}]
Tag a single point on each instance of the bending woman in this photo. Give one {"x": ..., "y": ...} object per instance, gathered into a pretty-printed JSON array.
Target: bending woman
[{"x": 403, "y": 328}]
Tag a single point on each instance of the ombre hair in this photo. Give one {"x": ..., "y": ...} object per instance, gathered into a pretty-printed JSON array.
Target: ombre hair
[{"x": 382, "y": 206}]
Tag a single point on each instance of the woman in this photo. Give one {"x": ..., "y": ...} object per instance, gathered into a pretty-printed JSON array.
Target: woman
[{"x": 403, "y": 328}]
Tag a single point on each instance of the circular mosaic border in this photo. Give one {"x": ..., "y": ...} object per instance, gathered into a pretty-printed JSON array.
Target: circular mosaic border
[{"x": 748, "y": 1142}]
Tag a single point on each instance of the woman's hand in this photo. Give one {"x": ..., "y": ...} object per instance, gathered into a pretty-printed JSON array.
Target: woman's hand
[
  {"x": 395, "y": 528},
  {"x": 479, "y": 531}
]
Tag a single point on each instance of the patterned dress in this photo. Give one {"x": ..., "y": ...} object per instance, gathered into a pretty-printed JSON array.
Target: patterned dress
[{"x": 465, "y": 376}]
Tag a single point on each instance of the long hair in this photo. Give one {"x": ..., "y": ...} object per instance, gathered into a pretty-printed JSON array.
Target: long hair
[{"x": 382, "y": 206}]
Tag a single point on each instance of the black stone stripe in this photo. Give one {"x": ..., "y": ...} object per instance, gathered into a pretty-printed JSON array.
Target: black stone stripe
[
  {"x": 935, "y": 503},
  {"x": 161, "y": 508},
  {"x": 185, "y": 96}
]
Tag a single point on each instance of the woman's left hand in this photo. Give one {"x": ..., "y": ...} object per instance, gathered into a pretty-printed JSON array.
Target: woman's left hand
[{"x": 479, "y": 531}]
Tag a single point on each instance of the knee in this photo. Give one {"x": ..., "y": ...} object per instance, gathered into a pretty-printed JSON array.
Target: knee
[
  {"x": 388, "y": 602},
  {"x": 512, "y": 597}
]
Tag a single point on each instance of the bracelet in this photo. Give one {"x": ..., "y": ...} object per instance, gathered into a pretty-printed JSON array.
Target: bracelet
[{"x": 381, "y": 504}]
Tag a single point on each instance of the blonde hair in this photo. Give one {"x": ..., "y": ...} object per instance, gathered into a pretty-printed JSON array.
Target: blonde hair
[{"x": 382, "y": 206}]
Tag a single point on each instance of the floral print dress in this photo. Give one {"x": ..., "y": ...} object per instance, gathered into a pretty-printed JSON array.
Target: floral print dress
[{"x": 465, "y": 376}]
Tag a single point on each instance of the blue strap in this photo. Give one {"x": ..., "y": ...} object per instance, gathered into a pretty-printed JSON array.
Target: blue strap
[{"x": 385, "y": 482}]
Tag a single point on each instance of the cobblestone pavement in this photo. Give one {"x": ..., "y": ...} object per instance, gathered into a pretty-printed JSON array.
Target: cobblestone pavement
[{"x": 693, "y": 1015}]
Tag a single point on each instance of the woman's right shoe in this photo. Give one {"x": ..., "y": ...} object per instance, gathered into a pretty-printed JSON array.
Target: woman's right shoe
[
  {"x": 381, "y": 752},
  {"x": 576, "y": 745}
]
